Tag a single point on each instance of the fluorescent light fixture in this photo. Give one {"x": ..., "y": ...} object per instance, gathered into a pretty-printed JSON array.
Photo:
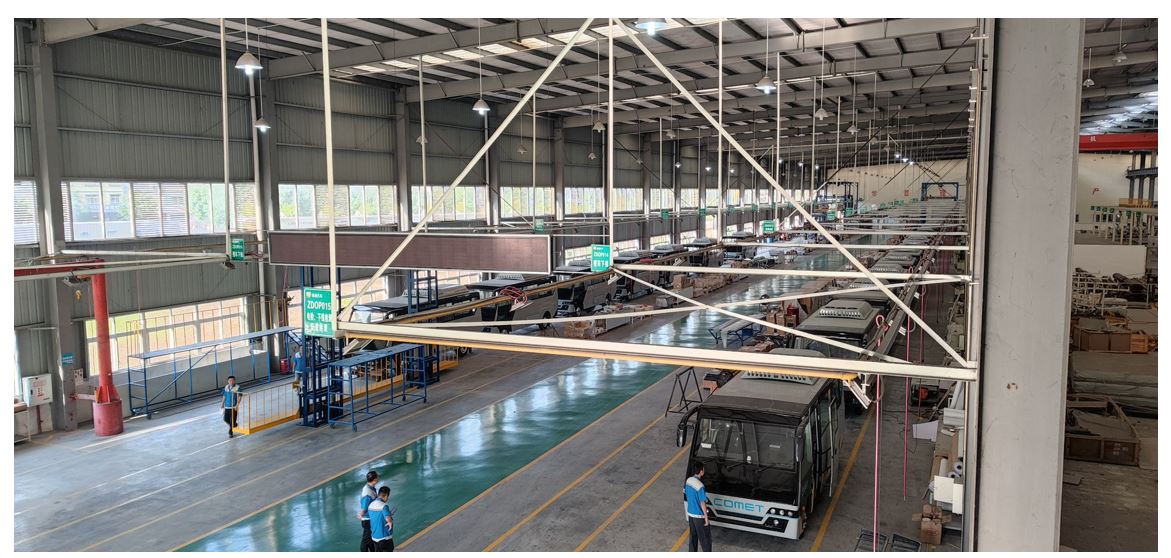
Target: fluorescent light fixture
[
  {"x": 651, "y": 24},
  {"x": 249, "y": 63},
  {"x": 481, "y": 107},
  {"x": 261, "y": 124},
  {"x": 766, "y": 85}
]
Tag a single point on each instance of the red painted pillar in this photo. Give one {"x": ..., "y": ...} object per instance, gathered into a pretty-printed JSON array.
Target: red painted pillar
[{"x": 107, "y": 404}]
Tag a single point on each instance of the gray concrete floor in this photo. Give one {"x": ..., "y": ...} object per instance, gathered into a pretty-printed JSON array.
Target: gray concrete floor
[
  {"x": 616, "y": 485},
  {"x": 1114, "y": 507}
]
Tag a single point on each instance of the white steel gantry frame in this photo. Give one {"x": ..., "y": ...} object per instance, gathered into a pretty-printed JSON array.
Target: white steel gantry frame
[{"x": 826, "y": 367}]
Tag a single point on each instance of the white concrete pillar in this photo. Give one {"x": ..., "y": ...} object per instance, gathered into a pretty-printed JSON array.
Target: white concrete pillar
[{"x": 1031, "y": 177}]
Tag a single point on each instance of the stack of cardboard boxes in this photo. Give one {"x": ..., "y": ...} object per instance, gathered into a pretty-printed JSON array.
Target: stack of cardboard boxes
[
  {"x": 931, "y": 522},
  {"x": 581, "y": 329}
]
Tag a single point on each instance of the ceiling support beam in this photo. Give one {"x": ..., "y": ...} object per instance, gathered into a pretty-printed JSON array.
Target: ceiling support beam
[
  {"x": 427, "y": 44},
  {"x": 759, "y": 101},
  {"x": 832, "y": 37}
]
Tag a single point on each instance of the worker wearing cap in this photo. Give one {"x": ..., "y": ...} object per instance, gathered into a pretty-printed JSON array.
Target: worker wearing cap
[
  {"x": 367, "y": 496},
  {"x": 382, "y": 521},
  {"x": 695, "y": 497}
]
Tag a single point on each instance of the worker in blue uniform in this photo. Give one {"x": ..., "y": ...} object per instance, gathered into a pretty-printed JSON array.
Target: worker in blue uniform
[
  {"x": 695, "y": 498},
  {"x": 368, "y": 495},
  {"x": 230, "y": 404},
  {"x": 382, "y": 521}
]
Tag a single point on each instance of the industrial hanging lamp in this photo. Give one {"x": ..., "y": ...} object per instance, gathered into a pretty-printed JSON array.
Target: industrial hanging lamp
[
  {"x": 480, "y": 107},
  {"x": 1119, "y": 57},
  {"x": 247, "y": 61},
  {"x": 651, "y": 24},
  {"x": 766, "y": 84},
  {"x": 261, "y": 124},
  {"x": 599, "y": 126},
  {"x": 853, "y": 129}
]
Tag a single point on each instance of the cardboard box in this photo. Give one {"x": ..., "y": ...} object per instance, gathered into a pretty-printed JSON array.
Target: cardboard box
[{"x": 930, "y": 531}]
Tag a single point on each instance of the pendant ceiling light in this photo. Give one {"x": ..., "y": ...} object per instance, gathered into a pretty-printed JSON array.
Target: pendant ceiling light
[
  {"x": 1089, "y": 82},
  {"x": 897, "y": 156},
  {"x": 480, "y": 107},
  {"x": 261, "y": 124},
  {"x": 599, "y": 126},
  {"x": 651, "y": 24},
  {"x": 592, "y": 156},
  {"x": 1119, "y": 57},
  {"x": 852, "y": 129},
  {"x": 766, "y": 85},
  {"x": 821, "y": 113},
  {"x": 522, "y": 150},
  {"x": 247, "y": 61}
]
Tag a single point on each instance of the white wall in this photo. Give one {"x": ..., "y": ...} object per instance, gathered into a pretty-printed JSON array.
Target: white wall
[
  {"x": 878, "y": 187},
  {"x": 1108, "y": 259},
  {"x": 1107, "y": 174}
]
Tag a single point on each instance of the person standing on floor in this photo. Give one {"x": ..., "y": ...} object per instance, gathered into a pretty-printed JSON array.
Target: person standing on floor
[
  {"x": 382, "y": 521},
  {"x": 230, "y": 404},
  {"x": 369, "y": 495},
  {"x": 695, "y": 497}
]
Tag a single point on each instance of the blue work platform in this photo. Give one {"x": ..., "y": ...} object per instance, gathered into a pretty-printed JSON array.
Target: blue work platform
[
  {"x": 145, "y": 401},
  {"x": 363, "y": 386}
]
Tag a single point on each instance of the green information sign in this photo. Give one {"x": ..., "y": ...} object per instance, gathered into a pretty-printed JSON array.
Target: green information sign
[
  {"x": 539, "y": 225},
  {"x": 769, "y": 226},
  {"x": 600, "y": 257},
  {"x": 665, "y": 214},
  {"x": 831, "y": 215},
  {"x": 849, "y": 212},
  {"x": 882, "y": 206},
  {"x": 317, "y": 311},
  {"x": 702, "y": 211},
  {"x": 755, "y": 207},
  {"x": 237, "y": 249}
]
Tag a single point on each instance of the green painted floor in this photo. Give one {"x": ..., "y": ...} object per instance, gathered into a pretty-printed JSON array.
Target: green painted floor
[{"x": 438, "y": 473}]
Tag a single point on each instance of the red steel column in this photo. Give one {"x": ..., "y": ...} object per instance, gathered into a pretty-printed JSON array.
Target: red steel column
[{"x": 107, "y": 404}]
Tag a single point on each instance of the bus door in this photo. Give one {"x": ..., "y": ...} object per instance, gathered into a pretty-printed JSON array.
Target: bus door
[
  {"x": 825, "y": 448},
  {"x": 806, "y": 470}
]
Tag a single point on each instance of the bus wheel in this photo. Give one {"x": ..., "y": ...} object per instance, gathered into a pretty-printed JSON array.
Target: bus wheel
[
  {"x": 544, "y": 317},
  {"x": 464, "y": 351},
  {"x": 505, "y": 329},
  {"x": 804, "y": 522}
]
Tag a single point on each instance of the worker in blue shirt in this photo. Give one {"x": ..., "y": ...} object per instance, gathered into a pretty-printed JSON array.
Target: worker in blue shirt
[
  {"x": 230, "y": 404},
  {"x": 382, "y": 521},
  {"x": 368, "y": 495},
  {"x": 695, "y": 497}
]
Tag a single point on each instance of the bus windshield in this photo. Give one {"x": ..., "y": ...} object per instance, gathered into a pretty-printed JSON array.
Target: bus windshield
[{"x": 732, "y": 441}]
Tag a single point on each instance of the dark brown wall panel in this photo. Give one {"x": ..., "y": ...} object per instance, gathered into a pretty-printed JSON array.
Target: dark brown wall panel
[{"x": 482, "y": 252}]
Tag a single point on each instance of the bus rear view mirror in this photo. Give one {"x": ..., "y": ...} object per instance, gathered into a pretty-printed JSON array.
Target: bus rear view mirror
[{"x": 681, "y": 434}]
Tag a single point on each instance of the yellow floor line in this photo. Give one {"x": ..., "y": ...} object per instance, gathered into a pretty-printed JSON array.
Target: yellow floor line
[
  {"x": 569, "y": 487},
  {"x": 829, "y": 512},
  {"x": 682, "y": 539},
  {"x": 516, "y": 473},
  {"x": 261, "y": 451},
  {"x": 630, "y": 500},
  {"x": 289, "y": 465}
]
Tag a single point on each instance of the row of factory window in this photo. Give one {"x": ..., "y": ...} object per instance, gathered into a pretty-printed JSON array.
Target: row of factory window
[{"x": 128, "y": 209}]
